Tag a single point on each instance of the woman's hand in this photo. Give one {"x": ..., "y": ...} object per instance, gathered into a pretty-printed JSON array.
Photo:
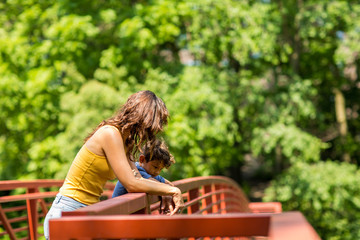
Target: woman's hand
[{"x": 178, "y": 200}]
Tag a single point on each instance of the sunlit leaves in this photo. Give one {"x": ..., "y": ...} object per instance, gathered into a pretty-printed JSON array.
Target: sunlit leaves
[
  {"x": 325, "y": 193},
  {"x": 81, "y": 113},
  {"x": 65, "y": 65},
  {"x": 201, "y": 131},
  {"x": 228, "y": 29},
  {"x": 296, "y": 145},
  {"x": 108, "y": 15}
]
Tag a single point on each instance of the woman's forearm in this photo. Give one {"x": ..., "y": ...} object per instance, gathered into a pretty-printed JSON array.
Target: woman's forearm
[
  {"x": 157, "y": 188},
  {"x": 168, "y": 182},
  {"x": 151, "y": 187}
]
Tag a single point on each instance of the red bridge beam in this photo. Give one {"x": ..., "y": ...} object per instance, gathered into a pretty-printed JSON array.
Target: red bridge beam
[
  {"x": 283, "y": 226},
  {"x": 159, "y": 226}
]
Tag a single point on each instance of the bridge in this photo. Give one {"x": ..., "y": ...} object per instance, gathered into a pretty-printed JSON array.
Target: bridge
[{"x": 215, "y": 207}]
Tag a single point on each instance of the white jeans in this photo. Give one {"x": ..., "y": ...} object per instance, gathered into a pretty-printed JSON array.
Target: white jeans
[{"x": 60, "y": 204}]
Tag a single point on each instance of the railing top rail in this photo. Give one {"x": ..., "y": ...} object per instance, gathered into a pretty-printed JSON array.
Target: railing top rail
[
  {"x": 124, "y": 204},
  {"x": 13, "y": 184},
  {"x": 196, "y": 182},
  {"x": 280, "y": 226},
  {"x": 27, "y": 196},
  {"x": 161, "y": 226},
  {"x": 184, "y": 184}
]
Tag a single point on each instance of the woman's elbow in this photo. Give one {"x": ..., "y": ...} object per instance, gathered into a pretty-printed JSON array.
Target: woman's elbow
[
  {"x": 132, "y": 189},
  {"x": 133, "y": 186}
]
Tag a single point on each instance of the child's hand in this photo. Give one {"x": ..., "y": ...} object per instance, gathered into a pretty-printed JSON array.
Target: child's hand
[
  {"x": 178, "y": 201},
  {"x": 166, "y": 205}
]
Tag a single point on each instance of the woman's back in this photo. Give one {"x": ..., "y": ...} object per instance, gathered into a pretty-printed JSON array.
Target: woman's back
[{"x": 86, "y": 177}]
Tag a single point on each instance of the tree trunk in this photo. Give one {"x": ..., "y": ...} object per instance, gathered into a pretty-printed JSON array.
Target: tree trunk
[
  {"x": 278, "y": 159},
  {"x": 341, "y": 119}
]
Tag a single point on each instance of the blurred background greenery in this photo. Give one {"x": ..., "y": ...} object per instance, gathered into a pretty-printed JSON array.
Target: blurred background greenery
[{"x": 258, "y": 90}]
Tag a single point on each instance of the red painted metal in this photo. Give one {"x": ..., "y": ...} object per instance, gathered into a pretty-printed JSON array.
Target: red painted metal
[
  {"x": 205, "y": 198},
  {"x": 6, "y": 224},
  {"x": 283, "y": 226},
  {"x": 193, "y": 197},
  {"x": 203, "y": 195},
  {"x": 31, "y": 202},
  {"x": 32, "y": 215},
  {"x": 265, "y": 207},
  {"x": 14, "y": 184},
  {"x": 125, "y": 204},
  {"x": 134, "y": 202},
  {"x": 207, "y": 201},
  {"x": 291, "y": 225},
  {"x": 160, "y": 226}
]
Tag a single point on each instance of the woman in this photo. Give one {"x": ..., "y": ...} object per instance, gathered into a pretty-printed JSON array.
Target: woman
[{"x": 109, "y": 152}]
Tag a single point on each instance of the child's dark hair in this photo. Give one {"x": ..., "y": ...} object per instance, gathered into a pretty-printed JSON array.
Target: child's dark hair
[{"x": 158, "y": 151}]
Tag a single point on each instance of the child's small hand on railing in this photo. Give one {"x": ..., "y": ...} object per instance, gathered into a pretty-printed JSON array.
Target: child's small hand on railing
[
  {"x": 166, "y": 205},
  {"x": 178, "y": 201}
]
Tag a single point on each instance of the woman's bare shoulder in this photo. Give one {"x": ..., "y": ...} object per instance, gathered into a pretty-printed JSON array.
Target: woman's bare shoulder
[
  {"x": 104, "y": 135},
  {"x": 107, "y": 131}
]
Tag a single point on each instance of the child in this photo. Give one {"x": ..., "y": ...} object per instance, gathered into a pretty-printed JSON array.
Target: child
[{"x": 150, "y": 165}]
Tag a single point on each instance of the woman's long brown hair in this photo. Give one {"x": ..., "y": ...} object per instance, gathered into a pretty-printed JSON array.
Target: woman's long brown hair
[{"x": 143, "y": 116}]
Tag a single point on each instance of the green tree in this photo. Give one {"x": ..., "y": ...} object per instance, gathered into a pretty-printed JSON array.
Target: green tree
[
  {"x": 240, "y": 78},
  {"x": 325, "y": 193}
]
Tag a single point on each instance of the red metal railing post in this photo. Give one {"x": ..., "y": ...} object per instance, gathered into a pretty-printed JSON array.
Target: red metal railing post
[
  {"x": 207, "y": 201},
  {"x": 193, "y": 193},
  {"x": 43, "y": 206},
  {"x": 223, "y": 202},
  {"x": 31, "y": 206},
  {"x": 215, "y": 207},
  {"x": 219, "y": 199}
]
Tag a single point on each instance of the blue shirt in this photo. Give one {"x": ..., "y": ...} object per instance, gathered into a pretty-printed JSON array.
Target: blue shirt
[{"x": 121, "y": 190}]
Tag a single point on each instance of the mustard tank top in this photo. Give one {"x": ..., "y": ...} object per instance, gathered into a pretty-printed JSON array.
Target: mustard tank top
[{"x": 86, "y": 177}]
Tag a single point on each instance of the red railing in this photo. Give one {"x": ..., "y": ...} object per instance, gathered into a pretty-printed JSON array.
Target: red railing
[
  {"x": 214, "y": 207},
  {"x": 24, "y": 204},
  {"x": 281, "y": 226}
]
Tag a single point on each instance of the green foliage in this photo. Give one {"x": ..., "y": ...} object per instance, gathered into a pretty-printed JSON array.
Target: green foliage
[
  {"x": 240, "y": 78},
  {"x": 202, "y": 131},
  {"x": 6, "y": 237},
  {"x": 326, "y": 193},
  {"x": 296, "y": 144},
  {"x": 257, "y": 76},
  {"x": 82, "y": 112}
]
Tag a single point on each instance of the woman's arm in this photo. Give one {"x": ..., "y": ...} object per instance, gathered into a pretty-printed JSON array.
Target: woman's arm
[
  {"x": 168, "y": 182},
  {"x": 135, "y": 170},
  {"x": 112, "y": 145}
]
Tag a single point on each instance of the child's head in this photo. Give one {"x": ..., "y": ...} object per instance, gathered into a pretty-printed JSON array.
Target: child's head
[{"x": 155, "y": 157}]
